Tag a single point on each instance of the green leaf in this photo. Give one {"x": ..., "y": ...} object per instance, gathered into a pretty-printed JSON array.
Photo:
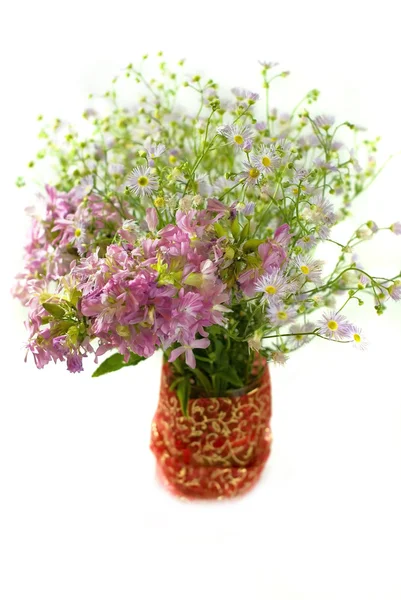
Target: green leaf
[
  {"x": 245, "y": 232},
  {"x": 231, "y": 377},
  {"x": 203, "y": 380},
  {"x": 115, "y": 362},
  {"x": 183, "y": 389},
  {"x": 235, "y": 228},
  {"x": 54, "y": 309},
  {"x": 252, "y": 245}
]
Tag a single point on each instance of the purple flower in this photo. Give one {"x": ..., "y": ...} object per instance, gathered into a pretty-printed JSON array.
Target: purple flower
[
  {"x": 324, "y": 121},
  {"x": 396, "y": 228},
  {"x": 281, "y": 315},
  {"x": 299, "y": 332},
  {"x": 358, "y": 338},
  {"x": 310, "y": 269},
  {"x": 251, "y": 174},
  {"x": 334, "y": 326},
  {"x": 155, "y": 150},
  {"x": 242, "y": 94},
  {"x": 238, "y": 136},
  {"x": 395, "y": 290},
  {"x": 188, "y": 349},
  {"x": 84, "y": 188},
  {"x": 274, "y": 286},
  {"x": 248, "y": 209},
  {"x": 116, "y": 169},
  {"x": 266, "y": 160}
]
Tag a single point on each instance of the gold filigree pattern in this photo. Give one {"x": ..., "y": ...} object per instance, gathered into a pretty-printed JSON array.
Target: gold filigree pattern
[{"x": 220, "y": 449}]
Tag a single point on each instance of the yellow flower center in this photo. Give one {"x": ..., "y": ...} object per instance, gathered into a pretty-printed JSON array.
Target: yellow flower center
[
  {"x": 266, "y": 161},
  {"x": 172, "y": 158},
  {"x": 143, "y": 181},
  {"x": 332, "y": 325},
  {"x": 357, "y": 337},
  {"x": 305, "y": 270},
  {"x": 238, "y": 139},
  {"x": 282, "y": 315},
  {"x": 123, "y": 331},
  {"x": 78, "y": 232},
  {"x": 270, "y": 289},
  {"x": 306, "y": 239},
  {"x": 254, "y": 173},
  {"x": 159, "y": 202}
]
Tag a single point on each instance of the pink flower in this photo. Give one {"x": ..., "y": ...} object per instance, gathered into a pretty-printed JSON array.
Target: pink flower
[
  {"x": 151, "y": 218},
  {"x": 188, "y": 349}
]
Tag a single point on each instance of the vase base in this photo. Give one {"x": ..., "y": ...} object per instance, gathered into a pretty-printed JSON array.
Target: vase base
[{"x": 207, "y": 483}]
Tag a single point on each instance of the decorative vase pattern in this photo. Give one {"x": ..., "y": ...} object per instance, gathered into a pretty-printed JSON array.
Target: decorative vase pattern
[{"x": 218, "y": 450}]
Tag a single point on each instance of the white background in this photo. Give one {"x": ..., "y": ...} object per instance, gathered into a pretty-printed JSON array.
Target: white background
[{"x": 81, "y": 514}]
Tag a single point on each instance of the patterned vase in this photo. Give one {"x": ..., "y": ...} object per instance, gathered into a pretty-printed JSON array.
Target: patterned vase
[{"x": 218, "y": 450}]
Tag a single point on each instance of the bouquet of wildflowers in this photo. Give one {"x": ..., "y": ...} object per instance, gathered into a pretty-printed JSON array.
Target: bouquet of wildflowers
[{"x": 196, "y": 232}]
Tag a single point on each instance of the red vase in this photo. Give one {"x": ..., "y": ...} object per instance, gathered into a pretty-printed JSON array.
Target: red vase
[{"x": 218, "y": 450}]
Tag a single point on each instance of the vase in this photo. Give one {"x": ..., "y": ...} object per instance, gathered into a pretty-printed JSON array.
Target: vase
[{"x": 220, "y": 448}]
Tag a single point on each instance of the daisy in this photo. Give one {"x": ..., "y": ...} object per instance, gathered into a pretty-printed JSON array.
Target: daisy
[
  {"x": 251, "y": 174},
  {"x": 358, "y": 338},
  {"x": 324, "y": 121},
  {"x": 396, "y": 228},
  {"x": 307, "y": 242},
  {"x": 266, "y": 160},
  {"x": 242, "y": 94},
  {"x": 84, "y": 188},
  {"x": 311, "y": 269},
  {"x": 281, "y": 315},
  {"x": 239, "y": 137},
  {"x": 141, "y": 182},
  {"x": 155, "y": 150},
  {"x": 274, "y": 286},
  {"x": 334, "y": 326},
  {"x": 279, "y": 358},
  {"x": 320, "y": 211},
  {"x": 395, "y": 290},
  {"x": 299, "y": 332}
]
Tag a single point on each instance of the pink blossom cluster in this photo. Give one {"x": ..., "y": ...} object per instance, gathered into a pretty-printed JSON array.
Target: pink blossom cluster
[
  {"x": 162, "y": 291},
  {"x": 73, "y": 225}
]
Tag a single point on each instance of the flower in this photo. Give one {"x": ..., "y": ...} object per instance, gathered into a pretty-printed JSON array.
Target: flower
[
  {"x": 238, "y": 136},
  {"x": 394, "y": 290},
  {"x": 84, "y": 188},
  {"x": 265, "y": 159},
  {"x": 396, "y": 228},
  {"x": 281, "y": 315},
  {"x": 324, "y": 121},
  {"x": 358, "y": 338},
  {"x": 142, "y": 182},
  {"x": 334, "y": 326},
  {"x": 155, "y": 150},
  {"x": 188, "y": 349},
  {"x": 268, "y": 65},
  {"x": 307, "y": 242},
  {"x": 274, "y": 286},
  {"x": 309, "y": 268},
  {"x": 251, "y": 174},
  {"x": 242, "y": 94},
  {"x": 279, "y": 358},
  {"x": 300, "y": 331}
]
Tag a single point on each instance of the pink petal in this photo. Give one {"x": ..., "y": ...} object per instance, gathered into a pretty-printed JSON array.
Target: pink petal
[
  {"x": 176, "y": 353},
  {"x": 190, "y": 358},
  {"x": 203, "y": 343}
]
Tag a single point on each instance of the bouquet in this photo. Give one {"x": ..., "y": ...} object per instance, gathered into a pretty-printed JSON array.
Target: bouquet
[{"x": 196, "y": 231}]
